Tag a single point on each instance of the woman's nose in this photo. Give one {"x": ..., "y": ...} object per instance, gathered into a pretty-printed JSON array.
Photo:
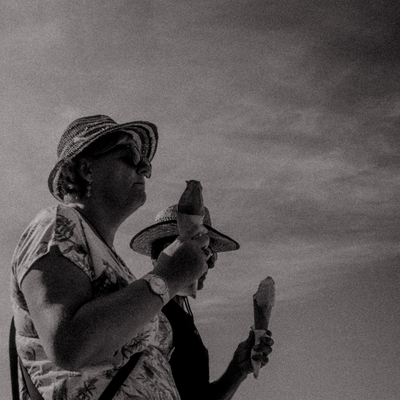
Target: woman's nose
[{"x": 144, "y": 168}]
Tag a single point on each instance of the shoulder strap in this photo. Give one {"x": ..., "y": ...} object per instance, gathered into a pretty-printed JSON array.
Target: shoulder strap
[
  {"x": 12, "y": 350},
  {"x": 120, "y": 378},
  {"x": 14, "y": 362}
]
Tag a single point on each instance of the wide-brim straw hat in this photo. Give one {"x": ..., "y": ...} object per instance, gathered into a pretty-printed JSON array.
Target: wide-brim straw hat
[
  {"x": 166, "y": 225},
  {"x": 84, "y": 131}
]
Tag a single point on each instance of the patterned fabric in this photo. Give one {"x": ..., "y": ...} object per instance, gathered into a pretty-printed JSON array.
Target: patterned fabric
[{"x": 64, "y": 227}]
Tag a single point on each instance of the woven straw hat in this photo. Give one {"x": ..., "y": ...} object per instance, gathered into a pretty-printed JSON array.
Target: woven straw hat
[
  {"x": 166, "y": 225},
  {"x": 84, "y": 131}
]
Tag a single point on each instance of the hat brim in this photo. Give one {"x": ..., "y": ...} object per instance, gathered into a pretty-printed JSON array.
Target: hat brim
[
  {"x": 144, "y": 132},
  {"x": 141, "y": 243}
]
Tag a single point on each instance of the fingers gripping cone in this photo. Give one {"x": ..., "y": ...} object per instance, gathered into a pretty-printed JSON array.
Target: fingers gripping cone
[
  {"x": 263, "y": 301},
  {"x": 191, "y": 212}
]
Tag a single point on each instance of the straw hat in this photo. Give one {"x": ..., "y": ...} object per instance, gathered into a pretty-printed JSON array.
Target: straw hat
[
  {"x": 84, "y": 131},
  {"x": 166, "y": 225}
]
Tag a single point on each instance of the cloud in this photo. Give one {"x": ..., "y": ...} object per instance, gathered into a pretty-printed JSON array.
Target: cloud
[
  {"x": 288, "y": 112},
  {"x": 301, "y": 269}
]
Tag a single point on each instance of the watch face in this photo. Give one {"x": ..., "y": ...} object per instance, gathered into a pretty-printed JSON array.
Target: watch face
[{"x": 158, "y": 284}]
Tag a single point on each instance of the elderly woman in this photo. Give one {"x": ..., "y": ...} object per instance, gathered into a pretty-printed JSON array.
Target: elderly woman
[
  {"x": 189, "y": 360},
  {"x": 80, "y": 313}
]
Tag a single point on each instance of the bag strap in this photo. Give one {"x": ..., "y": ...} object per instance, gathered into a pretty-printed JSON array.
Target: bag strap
[
  {"x": 120, "y": 378},
  {"x": 15, "y": 362},
  {"x": 34, "y": 394},
  {"x": 12, "y": 351}
]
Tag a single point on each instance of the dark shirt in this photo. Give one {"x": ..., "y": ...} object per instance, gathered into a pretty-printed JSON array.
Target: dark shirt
[{"x": 189, "y": 361}]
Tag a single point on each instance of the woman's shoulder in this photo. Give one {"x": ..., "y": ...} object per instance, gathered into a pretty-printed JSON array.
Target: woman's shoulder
[
  {"x": 50, "y": 214},
  {"x": 58, "y": 225},
  {"x": 41, "y": 223},
  {"x": 48, "y": 219},
  {"x": 66, "y": 211}
]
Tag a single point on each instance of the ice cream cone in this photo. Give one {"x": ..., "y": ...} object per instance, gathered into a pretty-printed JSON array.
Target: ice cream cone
[
  {"x": 263, "y": 301},
  {"x": 190, "y": 212}
]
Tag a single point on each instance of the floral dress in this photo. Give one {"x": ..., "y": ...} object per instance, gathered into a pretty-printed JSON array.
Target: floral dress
[{"x": 151, "y": 378}]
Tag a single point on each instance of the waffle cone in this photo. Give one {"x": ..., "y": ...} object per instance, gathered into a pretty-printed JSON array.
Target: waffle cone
[
  {"x": 262, "y": 314},
  {"x": 190, "y": 212},
  {"x": 263, "y": 301}
]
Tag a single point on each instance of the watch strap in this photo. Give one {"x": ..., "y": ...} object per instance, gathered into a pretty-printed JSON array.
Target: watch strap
[{"x": 164, "y": 295}]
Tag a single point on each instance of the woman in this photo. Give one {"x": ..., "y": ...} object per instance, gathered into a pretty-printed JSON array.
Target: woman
[
  {"x": 80, "y": 313},
  {"x": 189, "y": 360}
]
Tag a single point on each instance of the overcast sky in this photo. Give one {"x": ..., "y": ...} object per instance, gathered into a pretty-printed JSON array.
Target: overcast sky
[{"x": 288, "y": 113}]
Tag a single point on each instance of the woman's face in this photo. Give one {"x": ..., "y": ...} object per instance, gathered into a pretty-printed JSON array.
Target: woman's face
[
  {"x": 211, "y": 264},
  {"x": 119, "y": 178}
]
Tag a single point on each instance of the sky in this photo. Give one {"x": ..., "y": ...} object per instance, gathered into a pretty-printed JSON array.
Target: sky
[{"x": 288, "y": 113}]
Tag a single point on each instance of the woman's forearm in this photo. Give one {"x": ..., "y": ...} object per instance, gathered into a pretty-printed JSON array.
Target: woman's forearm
[
  {"x": 104, "y": 325},
  {"x": 226, "y": 386},
  {"x": 75, "y": 329}
]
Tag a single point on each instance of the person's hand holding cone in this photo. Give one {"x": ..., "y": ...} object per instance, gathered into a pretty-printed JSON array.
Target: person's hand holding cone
[{"x": 263, "y": 301}]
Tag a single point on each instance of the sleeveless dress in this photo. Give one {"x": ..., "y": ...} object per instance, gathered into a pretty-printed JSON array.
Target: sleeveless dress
[
  {"x": 151, "y": 379},
  {"x": 189, "y": 361}
]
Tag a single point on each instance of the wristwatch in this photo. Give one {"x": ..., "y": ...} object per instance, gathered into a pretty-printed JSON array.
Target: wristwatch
[{"x": 158, "y": 285}]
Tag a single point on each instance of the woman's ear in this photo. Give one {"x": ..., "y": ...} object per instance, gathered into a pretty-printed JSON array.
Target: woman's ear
[{"x": 85, "y": 170}]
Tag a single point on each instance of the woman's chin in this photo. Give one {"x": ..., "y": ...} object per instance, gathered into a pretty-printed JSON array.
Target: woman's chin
[
  {"x": 139, "y": 199},
  {"x": 200, "y": 284}
]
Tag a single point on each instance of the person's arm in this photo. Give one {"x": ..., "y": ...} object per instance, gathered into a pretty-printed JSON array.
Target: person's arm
[
  {"x": 76, "y": 330},
  {"x": 226, "y": 386}
]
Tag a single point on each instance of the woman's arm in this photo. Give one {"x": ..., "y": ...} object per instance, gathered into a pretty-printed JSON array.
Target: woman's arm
[
  {"x": 76, "y": 330},
  {"x": 226, "y": 386}
]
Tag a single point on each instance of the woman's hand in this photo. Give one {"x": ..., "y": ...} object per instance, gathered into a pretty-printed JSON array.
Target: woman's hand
[
  {"x": 184, "y": 260},
  {"x": 225, "y": 387},
  {"x": 241, "y": 359}
]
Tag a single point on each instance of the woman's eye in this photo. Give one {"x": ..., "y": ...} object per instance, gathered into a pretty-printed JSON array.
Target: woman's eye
[
  {"x": 126, "y": 157},
  {"x": 129, "y": 161}
]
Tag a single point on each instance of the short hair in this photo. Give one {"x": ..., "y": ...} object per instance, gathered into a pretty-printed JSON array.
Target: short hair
[{"x": 70, "y": 180}]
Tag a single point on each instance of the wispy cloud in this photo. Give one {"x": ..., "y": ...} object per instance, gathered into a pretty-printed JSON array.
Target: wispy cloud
[{"x": 287, "y": 112}]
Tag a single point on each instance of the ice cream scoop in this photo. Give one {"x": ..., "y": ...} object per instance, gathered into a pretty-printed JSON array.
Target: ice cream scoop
[{"x": 191, "y": 209}]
